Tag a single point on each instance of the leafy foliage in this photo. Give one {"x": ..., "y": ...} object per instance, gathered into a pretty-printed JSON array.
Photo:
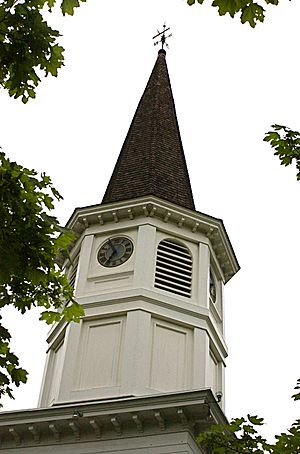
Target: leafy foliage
[
  {"x": 241, "y": 436},
  {"x": 250, "y": 11},
  {"x": 297, "y": 388},
  {"x": 286, "y": 144},
  {"x": 28, "y": 45},
  {"x": 30, "y": 239}
]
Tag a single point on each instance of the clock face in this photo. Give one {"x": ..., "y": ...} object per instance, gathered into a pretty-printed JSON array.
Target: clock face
[{"x": 115, "y": 251}]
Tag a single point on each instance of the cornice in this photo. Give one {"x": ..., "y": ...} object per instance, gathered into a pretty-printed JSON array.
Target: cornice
[{"x": 107, "y": 419}]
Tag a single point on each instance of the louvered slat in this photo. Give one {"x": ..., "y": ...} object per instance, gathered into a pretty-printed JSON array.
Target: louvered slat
[
  {"x": 173, "y": 268},
  {"x": 73, "y": 274}
]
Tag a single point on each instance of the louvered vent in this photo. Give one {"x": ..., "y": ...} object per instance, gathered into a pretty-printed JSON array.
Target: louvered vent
[
  {"x": 73, "y": 273},
  {"x": 173, "y": 268}
]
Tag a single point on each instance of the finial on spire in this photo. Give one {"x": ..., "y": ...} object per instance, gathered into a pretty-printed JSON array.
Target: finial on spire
[{"x": 162, "y": 37}]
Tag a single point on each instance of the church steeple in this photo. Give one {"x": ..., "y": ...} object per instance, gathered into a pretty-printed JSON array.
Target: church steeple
[
  {"x": 144, "y": 369},
  {"x": 149, "y": 271},
  {"x": 151, "y": 161}
]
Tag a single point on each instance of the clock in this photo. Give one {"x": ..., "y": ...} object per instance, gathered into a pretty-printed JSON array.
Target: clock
[{"x": 115, "y": 251}]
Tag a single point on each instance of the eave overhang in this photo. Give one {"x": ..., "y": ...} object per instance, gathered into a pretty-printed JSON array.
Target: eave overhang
[{"x": 126, "y": 416}]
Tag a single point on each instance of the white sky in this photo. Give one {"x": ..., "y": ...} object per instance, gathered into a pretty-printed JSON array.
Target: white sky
[{"x": 230, "y": 83}]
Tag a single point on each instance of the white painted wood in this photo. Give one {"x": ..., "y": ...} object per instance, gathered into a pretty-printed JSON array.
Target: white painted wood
[
  {"x": 195, "y": 223},
  {"x": 99, "y": 359},
  {"x": 213, "y": 373},
  {"x": 145, "y": 256},
  {"x": 170, "y": 358},
  {"x": 53, "y": 373},
  {"x": 43, "y": 396},
  {"x": 179, "y": 442},
  {"x": 159, "y": 423},
  {"x": 172, "y": 232},
  {"x": 84, "y": 259},
  {"x": 57, "y": 363},
  {"x": 135, "y": 358},
  {"x": 72, "y": 337},
  {"x": 164, "y": 341},
  {"x": 222, "y": 308},
  {"x": 101, "y": 279},
  {"x": 200, "y": 359},
  {"x": 203, "y": 275},
  {"x": 222, "y": 403}
]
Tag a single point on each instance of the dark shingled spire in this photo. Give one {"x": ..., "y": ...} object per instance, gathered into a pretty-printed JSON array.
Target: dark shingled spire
[{"x": 152, "y": 160}]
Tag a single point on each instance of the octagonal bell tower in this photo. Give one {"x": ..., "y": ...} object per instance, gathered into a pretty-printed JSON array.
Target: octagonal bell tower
[{"x": 149, "y": 271}]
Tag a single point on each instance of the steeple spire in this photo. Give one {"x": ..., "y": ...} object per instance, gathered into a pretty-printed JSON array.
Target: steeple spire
[{"x": 151, "y": 161}]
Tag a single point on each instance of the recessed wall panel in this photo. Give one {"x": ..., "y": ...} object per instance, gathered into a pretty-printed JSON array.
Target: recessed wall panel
[
  {"x": 57, "y": 360},
  {"x": 100, "y": 356},
  {"x": 213, "y": 372},
  {"x": 170, "y": 357}
]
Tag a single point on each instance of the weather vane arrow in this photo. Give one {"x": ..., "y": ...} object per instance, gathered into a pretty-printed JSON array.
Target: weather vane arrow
[{"x": 162, "y": 37}]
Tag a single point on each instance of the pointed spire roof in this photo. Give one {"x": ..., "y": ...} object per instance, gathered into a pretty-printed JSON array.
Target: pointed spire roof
[{"x": 151, "y": 161}]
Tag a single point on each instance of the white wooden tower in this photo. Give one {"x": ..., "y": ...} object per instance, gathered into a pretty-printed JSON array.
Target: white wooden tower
[{"x": 149, "y": 271}]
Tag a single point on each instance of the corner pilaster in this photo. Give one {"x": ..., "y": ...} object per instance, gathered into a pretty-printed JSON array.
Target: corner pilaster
[
  {"x": 136, "y": 353},
  {"x": 203, "y": 281},
  {"x": 145, "y": 256}
]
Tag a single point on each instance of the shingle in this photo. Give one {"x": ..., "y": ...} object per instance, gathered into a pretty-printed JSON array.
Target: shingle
[{"x": 151, "y": 161}]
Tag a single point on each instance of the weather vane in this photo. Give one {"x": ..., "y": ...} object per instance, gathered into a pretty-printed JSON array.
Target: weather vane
[{"x": 162, "y": 37}]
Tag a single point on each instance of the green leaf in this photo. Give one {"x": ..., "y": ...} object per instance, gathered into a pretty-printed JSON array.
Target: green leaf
[
  {"x": 50, "y": 317},
  {"x": 252, "y": 13},
  {"x": 73, "y": 312},
  {"x": 297, "y": 387},
  {"x": 286, "y": 145},
  {"x": 255, "y": 420},
  {"x": 226, "y": 6},
  {"x": 271, "y": 136},
  {"x": 4, "y": 348},
  {"x": 68, "y": 6},
  {"x": 19, "y": 376}
]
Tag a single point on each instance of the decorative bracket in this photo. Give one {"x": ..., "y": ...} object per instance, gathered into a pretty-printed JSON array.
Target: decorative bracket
[
  {"x": 55, "y": 432},
  {"x": 182, "y": 417},
  {"x": 15, "y": 435},
  {"x": 34, "y": 433},
  {"x": 96, "y": 427},
  {"x": 117, "y": 426},
  {"x": 75, "y": 429},
  {"x": 160, "y": 420},
  {"x": 138, "y": 423},
  {"x": 130, "y": 214}
]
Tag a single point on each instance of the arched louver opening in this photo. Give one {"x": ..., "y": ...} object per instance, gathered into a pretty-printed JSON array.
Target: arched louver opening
[{"x": 173, "y": 271}]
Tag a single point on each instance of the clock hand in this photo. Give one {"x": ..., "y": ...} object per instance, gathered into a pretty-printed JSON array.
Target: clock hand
[
  {"x": 112, "y": 246},
  {"x": 112, "y": 251}
]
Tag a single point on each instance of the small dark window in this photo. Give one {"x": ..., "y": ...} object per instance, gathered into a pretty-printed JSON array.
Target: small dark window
[{"x": 173, "y": 271}]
